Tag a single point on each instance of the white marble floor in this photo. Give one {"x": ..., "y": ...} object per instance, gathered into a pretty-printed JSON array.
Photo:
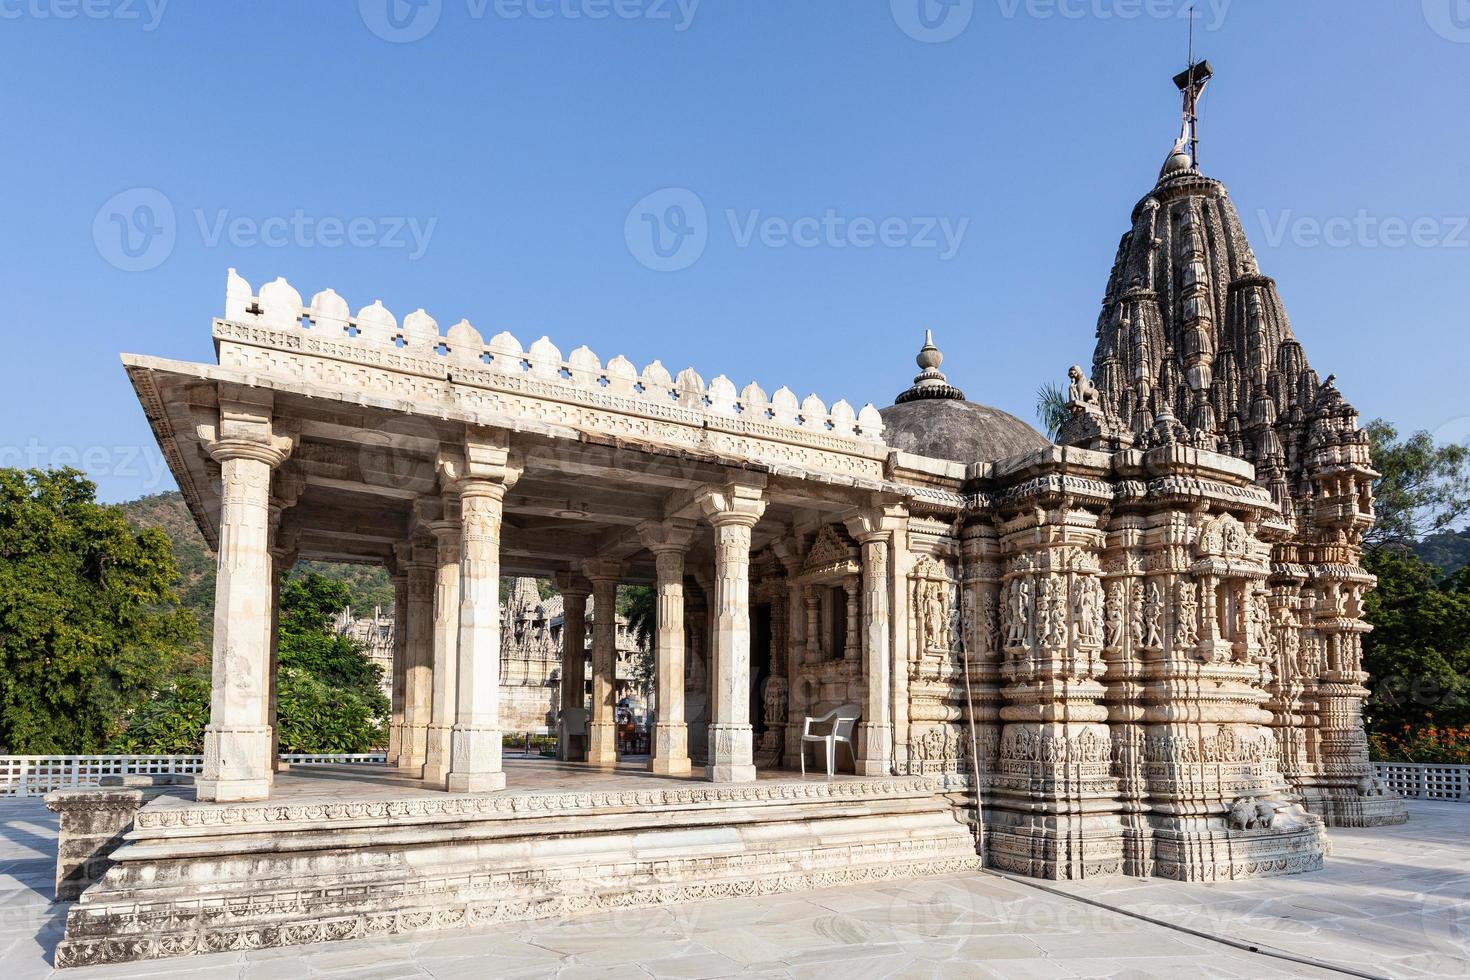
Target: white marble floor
[{"x": 1393, "y": 902}]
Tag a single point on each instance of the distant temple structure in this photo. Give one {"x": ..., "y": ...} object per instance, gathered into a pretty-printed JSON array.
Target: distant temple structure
[
  {"x": 374, "y": 634},
  {"x": 530, "y": 659},
  {"x": 1134, "y": 651}
]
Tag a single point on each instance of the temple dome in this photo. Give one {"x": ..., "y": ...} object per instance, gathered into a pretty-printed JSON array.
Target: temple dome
[{"x": 933, "y": 419}]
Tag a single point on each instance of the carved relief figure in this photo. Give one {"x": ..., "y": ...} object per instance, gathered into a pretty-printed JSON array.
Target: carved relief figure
[
  {"x": 1290, "y": 644},
  {"x": 1261, "y": 642},
  {"x": 1054, "y": 614},
  {"x": 1115, "y": 616},
  {"x": 1186, "y": 626},
  {"x": 1153, "y": 616},
  {"x": 936, "y": 616},
  {"x": 775, "y": 701},
  {"x": 990, "y": 623},
  {"x": 1020, "y": 613},
  {"x": 1085, "y": 609}
]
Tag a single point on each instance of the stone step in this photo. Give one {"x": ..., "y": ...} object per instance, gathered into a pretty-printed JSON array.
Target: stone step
[{"x": 280, "y": 880}]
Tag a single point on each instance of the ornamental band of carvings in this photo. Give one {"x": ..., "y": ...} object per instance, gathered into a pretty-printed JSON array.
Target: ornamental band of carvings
[{"x": 491, "y": 807}]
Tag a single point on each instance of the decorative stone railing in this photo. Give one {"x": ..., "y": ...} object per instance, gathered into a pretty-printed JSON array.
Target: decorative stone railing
[
  {"x": 29, "y": 775},
  {"x": 373, "y": 351},
  {"x": 1420, "y": 781}
]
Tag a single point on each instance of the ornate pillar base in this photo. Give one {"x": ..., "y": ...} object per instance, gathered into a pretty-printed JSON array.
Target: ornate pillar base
[
  {"x": 241, "y": 753},
  {"x": 413, "y": 748},
  {"x": 670, "y": 750},
  {"x": 395, "y": 735},
  {"x": 731, "y": 754},
  {"x": 872, "y": 744},
  {"x": 1351, "y": 807},
  {"x": 602, "y": 748},
  {"x": 476, "y": 753},
  {"x": 439, "y": 751}
]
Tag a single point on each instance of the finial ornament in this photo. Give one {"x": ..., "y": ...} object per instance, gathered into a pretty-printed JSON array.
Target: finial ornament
[
  {"x": 930, "y": 382},
  {"x": 1191, "y": 83}
]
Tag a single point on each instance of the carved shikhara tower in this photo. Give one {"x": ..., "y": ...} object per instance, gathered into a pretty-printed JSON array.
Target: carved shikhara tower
[{"x": 1195, "y": 357}]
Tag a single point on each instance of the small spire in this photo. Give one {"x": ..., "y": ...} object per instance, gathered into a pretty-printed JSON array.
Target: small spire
[{"x": 930, "y": 382}]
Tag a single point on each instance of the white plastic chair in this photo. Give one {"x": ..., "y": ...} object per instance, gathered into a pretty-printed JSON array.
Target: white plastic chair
[{"x": 843, "y": 720}]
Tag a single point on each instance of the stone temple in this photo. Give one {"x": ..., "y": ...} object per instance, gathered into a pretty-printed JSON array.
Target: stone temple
[{"x": 1141, "y": 644}]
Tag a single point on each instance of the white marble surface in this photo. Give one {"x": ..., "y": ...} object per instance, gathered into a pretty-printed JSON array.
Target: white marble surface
[{"x": 1393, "y": 901}]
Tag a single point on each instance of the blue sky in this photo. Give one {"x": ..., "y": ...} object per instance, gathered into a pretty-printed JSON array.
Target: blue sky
[{"x": 866, "y": 170}]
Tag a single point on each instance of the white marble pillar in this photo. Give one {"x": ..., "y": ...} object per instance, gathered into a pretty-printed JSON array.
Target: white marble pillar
[
  {"x": 875, "y": 531},
  {"x": 476, "y": 764},
  {"x": 400, "y": 663},
  {"x": 875, "y": 730},
  {"x": 602, "y": 747},
  {"x": 419, "y": 674},
  {"x": 273, "y": 668},
  {"x": 237, "y": 739},
  {"x": 444, "y": 689},
  {"x": 574, "y": 593},
  {"x": 734, "y": 511}
]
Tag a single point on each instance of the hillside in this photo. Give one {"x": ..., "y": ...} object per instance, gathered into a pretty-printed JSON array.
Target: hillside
[
  {"x": 1449, "y": 551},
  {"x": 368, "y": 586}
]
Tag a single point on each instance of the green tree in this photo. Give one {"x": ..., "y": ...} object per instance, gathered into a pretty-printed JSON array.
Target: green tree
[
  {"x": 330, "y": 696},
  {"x": 639, "y": 605},
  {"x": 328, "y": 691},
  {"x": 1418, "y": 654},
  {"x": 1424, "y": 488},
  {"x": 90, "y": 623},
  {"x": 170, "y": 723},
  {"x": 1051, "y": 410}
]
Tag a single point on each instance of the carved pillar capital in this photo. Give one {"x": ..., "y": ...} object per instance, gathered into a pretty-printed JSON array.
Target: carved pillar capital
[
  {"x": 733, "y": 505},
  {"x": 246, "y": 430},
  {"x": 602, "y": 572},
  {"x": 671, "y": 535},
  {"x": 571, "y": 584},
  {"x": 877, "y": 523}
]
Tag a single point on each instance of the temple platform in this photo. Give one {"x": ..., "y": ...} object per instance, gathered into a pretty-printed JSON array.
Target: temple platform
[{"x": 357, "y": 851}]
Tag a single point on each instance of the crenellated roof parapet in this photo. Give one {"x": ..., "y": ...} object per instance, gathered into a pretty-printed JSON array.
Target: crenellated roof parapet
[{"x": 323, "y": 342}]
